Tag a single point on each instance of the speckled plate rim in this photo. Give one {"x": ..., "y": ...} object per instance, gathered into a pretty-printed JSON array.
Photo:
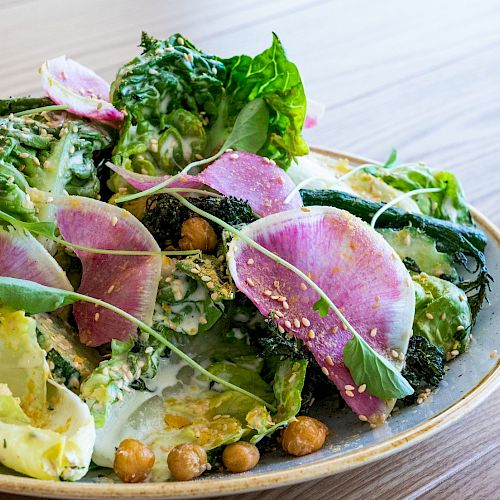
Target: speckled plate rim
[{"x": 246, "y": 482}]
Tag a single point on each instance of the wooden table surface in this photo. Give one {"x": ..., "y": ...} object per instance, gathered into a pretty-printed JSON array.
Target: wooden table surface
[{"x": 423, "y": 77}]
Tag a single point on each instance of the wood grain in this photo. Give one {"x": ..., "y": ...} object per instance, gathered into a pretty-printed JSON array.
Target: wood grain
[{"x": 420, "y": 76}]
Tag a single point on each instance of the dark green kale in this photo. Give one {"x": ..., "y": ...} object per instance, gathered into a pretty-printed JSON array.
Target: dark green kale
[
  {"x": 63, "y": 371},
  {"x": 164, "y": 215},
  {"x": 19, "y": 104},
  {"x": 424, "y": 367}
]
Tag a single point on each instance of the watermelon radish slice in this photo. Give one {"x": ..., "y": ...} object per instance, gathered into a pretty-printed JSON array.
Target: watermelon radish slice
[
  {"x": 23, "y": 257},
  {"x": 67, "y": 82},
  {"x": 128, "y": 282},
  {"x": 244, "y": 175},
  {"x": 354, "y": 266}
]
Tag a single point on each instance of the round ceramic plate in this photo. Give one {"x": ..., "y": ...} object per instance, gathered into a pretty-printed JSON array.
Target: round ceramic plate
[{"x": 351, "y": 442}]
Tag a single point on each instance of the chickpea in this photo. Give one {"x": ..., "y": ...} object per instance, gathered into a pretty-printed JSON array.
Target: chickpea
[
  {"x": 197, "y": 234},
  {"x": 133, "y": 461},
  {"x": 240, "y": 456},
  {"x": 303, "y": 436},
  {"x": 187, "y": 461}
]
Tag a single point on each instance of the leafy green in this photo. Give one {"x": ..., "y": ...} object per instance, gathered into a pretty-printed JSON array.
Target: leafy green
[
  {"x": 442, "y": 313},
  {"x": 46, "y": 430},
  {"x": 271, "y": 76},
  {"x": 380, "y": 376},
  {"x": 424, "y": 366},
  {"x": 13, "y": 194},
  {"x": 20, "y": 104}
]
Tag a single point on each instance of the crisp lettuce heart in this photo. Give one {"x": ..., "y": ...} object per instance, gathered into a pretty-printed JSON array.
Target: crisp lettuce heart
[{"x": 47, "y": 431}]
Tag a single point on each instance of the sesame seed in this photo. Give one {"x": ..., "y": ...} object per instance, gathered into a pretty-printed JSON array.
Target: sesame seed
[
  {"x": 493, "y": 354},
  {"x": 306, "y": 322},
  {"x": 454, "y": 352},
  {"x": 36, "y": 160},
  {"x": 288, "y": 324},
  {"x": 462, "y": 298},
  {"x": 153, "y": 71},
  {"x": 279, "y": 314},
  {"x": 420, "y": 401},
  {"x": 180, "y": 41},
  {"x": 311, "y": 334},
  {"x": 305, "y": 209},
  {"x": 281, "y": 329},
  {"x": 362, "y": 388},
  {"x": 250, "y": 282},
  {"x": 111, "y": 288},
  {"x": 401, "y": 356},
  {"x": 335, "y": 329},
  {"x": 303, "y": 286},
  {"x": 105, "y": 371},
  {"x": 210, "y": 285},
  {"x": 23, "y": 155},
  {"x": 394, "y": 354},
  {"x": 285, "y": 305},
  {"x": 114, "y": 221},
  {"x": 10, "y": 179},
  {"x": 329, "y": 360},
  {"x": 281, "y": 299},
  {"x": 206, "y": 279},
  {"x": 460, "y": 328},
  {"x": 349, "y": 387},
  {"x": 443, "y": 316},
  {"x": 276, "y": 284},
  {"x": 250, "y": 262},
  {"x": 429, "y": 316},
  {"x": 234, "y": 156},
  {"x": 190, "y": 57},
  {"x": 46, "y": 164},
  {"x": 96, "y": 317},
  {"x": 363, "y": 418},
  {"x": 275, "y": 297},
  {"x": 268, "y": 293},
  {"x": 349, "y": 393},
  {"x": 194, "y": 270},
  {"x": 324, "y": 369},
  {"x": 377, "y": 298},
  {"x": 296, "y": 323},
  {"x": 75, "y": 129},
  {"x": 373, "y": 332}
]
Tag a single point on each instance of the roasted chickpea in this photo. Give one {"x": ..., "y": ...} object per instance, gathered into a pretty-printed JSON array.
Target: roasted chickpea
[
  {"x": 197, "y": 234},
  {"x": 133, "y": 461},
  {"x": 187, "y": 461},
  {"x": 240, "y": 456},
  {"x": 303, "y": 436}
]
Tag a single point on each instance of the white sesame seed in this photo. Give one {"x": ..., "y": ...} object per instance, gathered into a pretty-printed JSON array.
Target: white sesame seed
[
  {"x": 153, "y": 71},
  {"x": 276, "y": 284},
  {"x": 429, "y": 316},
  {"x": 96, "y": 317},
  {"x": 268, "y": 293},
  {"x": 303, "y": 286},
  {"x": 420, "y": 401},
  {"x": 363, "y": 418},
  {"x": 114, "y": 221},
  {"x": 285, "y": 305},
  {"x": 206, "y": 279},
  {"x": 311, "y": 334},
  {"x": 349, "y": 387},
  {"x": 180, "y": 41},
  {"x": 324, "y": 369},
  {"x": 306, "y": 322},
  {"x": 288, "y": 324},
  {"x": 250, "y": 262},
  {"x": 462, "y": 298},
  {"x": 275, "y": 297},
  {"x": 395, "y": 354},
  {"x": 211, "y": 286},
  {"x": 296, "y": 323},
  {"x": 214, "y": 70},
  {"x": 279, "y": 314},
  {"x": 111, "y": 288},
  {"x": 454, "y": 352},
  {"x": 194, "y": 270},
  {"x": 349, "y": 393},
  {"x": 335, "y": 329},
  {"x": 250, "y": 282},
  {"x": 362, "y": 388},
  {"x": 460, "y": 328},
  {"x": 281, "y": 329},
  {"x": 401, "y": 356},
  {"x": 443, "y": 316},
  {"x": 373, "y": 332},
  {"x": 234, "y": 156}
]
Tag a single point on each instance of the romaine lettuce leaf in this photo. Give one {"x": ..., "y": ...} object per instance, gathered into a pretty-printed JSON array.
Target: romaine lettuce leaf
[{"x": 46, "y": 431}]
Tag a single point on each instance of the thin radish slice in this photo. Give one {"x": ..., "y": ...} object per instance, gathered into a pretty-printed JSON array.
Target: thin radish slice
[
  {"x": 315, "y": 111},
  {"x": 23, "y": 257},
  {"x": 67, "y": 82},
  {"x": 253, "y": 178},
  {"x": 247, "y": 176},
  {"x": 354, "y": 266},
  {"x": 128, "y": 282},
  {"x": 142, "y": 182}
]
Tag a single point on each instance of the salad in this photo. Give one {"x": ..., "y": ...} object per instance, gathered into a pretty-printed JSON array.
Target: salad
[{"x": 182, "y": 280}]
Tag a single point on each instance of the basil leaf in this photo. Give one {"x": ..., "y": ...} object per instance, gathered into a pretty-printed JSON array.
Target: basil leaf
[
  {"x": 249, "y": 132},
  {"x": 382, "y": 379},
  {"x": 32, "y": 297}
]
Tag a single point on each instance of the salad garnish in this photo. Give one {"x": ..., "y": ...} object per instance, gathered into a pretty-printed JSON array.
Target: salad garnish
[{"x": 170, "y": 290}]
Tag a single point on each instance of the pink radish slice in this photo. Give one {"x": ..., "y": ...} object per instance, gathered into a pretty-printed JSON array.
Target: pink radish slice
[
  {"x": 128, "y": 282},
  {"x": 67, "y": 82},
  {"x": 315, "y": 111},
  {"x": 244, "y": 175},
  {"x": 253, "y": 178},
  {"x": 143, "y": 182},
  {"x": 353, "y": 265},
  {"x": 23, "y": 257}
]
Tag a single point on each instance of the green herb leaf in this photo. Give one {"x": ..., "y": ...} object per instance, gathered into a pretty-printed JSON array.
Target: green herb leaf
[
  {"x": 250, "y": 128},
  {"x": 383, "y": 380},
  {"x": 322, "y": 307},
  {"x": 393, "y": 156},
  {"x": 32, "y": 297}
]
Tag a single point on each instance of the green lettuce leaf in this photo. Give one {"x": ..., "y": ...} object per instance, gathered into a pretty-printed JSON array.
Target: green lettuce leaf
[{"x": 46, "y": 431}]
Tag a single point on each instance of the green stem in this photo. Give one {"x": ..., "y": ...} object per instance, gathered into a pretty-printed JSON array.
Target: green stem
[
  {"x": 55, "y": 107},
  {"x": 191, "y": 362}
]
